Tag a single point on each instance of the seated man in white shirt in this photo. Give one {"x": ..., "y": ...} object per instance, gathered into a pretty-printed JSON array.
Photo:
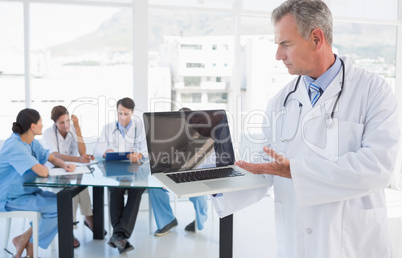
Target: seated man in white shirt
[{"x": 124, "y": 135}]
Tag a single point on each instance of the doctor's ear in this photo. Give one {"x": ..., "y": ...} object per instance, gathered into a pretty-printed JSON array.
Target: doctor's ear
[{"x": 318, "y": 37}]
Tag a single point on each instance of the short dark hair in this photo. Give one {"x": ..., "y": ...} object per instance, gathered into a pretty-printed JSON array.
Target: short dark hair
[
  {"x": 57, "y": 112},
  {"x": 25, "y": 119},
  {"x": 126, "y": 102}
]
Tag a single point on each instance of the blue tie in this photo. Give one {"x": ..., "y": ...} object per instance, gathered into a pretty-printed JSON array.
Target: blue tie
[{"x": 315, "y": 92}]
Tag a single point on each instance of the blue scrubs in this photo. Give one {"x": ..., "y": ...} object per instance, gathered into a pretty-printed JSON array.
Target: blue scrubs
[
  {"x": 163, "y": 211},
  {"x": 161, "y": 207},
  {"x": 16, "y": 160},
  {"x": 201, "y": 210}
]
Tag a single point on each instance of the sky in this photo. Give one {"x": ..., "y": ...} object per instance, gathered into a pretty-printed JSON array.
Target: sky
[{"x": 51, "y": 24}]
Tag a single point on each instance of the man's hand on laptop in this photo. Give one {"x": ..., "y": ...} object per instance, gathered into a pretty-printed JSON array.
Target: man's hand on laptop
[{"x": 134, "y": 157}]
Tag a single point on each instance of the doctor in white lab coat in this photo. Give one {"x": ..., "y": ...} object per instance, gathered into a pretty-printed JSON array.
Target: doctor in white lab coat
[
  {"x": 328, "y": 171},
  {"x": 64, "y": 141},
  {"x": 127, "y": 135}
]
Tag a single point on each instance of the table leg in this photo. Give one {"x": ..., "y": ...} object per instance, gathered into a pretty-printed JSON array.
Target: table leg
[
  {"x": 98, "y": 209},
  {"x": 65, "y": 220},
  {"x": 226, "y": 237}
]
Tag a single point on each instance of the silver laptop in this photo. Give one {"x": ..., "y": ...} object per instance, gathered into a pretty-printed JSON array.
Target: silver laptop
[{"x": 191, "y": 153}]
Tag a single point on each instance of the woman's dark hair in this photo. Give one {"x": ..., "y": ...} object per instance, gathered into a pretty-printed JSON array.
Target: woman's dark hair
[
  {"x": 126, "y": 102},
  {"x": 25, "y": 119},
  {"x": 57, "y": 112}
]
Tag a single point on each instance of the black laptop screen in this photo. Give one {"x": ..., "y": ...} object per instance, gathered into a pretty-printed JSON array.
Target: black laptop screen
[{"x": 187, "y": 140}]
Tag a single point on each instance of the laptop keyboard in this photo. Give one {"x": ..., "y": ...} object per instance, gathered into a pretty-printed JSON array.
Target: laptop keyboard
[{"x": 204, "y": 175}]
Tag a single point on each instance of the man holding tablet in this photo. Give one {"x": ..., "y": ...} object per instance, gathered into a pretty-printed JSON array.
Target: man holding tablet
[{"x": 124, "y": 136}]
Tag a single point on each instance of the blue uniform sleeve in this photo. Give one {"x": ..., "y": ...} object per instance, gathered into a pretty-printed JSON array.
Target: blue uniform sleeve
[
  {"x": 21, "y": 159},
  {"x": 41, "y": 153}
]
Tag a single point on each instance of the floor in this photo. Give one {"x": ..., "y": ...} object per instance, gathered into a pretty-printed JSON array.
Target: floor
[{"x": 254, "y": 235}]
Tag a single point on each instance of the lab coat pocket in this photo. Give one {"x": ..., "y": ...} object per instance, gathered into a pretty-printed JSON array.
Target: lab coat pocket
[
  {"x": 350, "y": 137},
  {"x": 364, "y": 234}
]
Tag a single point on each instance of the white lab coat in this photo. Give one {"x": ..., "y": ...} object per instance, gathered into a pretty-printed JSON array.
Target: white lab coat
[
  {"x": 334, "y": 205},
  {"x": 54, "y": 141},
  {"x": 111, "y": 138}
]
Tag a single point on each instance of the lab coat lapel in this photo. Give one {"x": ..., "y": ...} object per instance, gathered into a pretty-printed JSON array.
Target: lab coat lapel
[
  {"x": 129, "y": 138},
  {"x": 301, "y": 94}
]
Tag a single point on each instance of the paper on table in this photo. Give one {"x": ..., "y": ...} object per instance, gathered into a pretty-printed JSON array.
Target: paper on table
[
  {"x": 79, "y": 164},
  {"x": 62, "y": 171}
]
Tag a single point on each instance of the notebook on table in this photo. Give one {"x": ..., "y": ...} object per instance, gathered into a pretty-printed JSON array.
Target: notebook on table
[
  {"x": 110, "y": 156},
  {"x": 191, "y": 153}
]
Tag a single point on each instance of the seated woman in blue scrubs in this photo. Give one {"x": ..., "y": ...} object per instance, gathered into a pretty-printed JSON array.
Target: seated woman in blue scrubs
[{"x": 22, "y": 157}]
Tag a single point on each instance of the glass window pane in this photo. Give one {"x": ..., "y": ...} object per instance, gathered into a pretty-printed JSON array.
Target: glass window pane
[
  {"x": 261, "y": 6},
  {"x": 188, "y": 98},
  {"x": 192, "y": 81},
  {"x": 364, "y": 9},
  {"x": 262, "y": 76},
  {"x": 217, "y": 97},
  {"x": 199, "y": 4},
  {"x": 12, "y": 85},
  {"x": 196, "y": 48},
  {"x": 361, "y": 9},
  {"x": 375, "y": 54},
  {"x": 83, "y": 64}
]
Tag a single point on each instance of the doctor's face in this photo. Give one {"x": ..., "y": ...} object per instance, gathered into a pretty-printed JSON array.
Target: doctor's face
[
  {"x": 124, "y": 115},
  {"x": 296, "y": 53},
  {"x": 63, "y": 124}
]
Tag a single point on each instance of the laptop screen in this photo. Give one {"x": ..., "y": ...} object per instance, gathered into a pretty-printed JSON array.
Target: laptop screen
[{"x": 187, "y": 140}]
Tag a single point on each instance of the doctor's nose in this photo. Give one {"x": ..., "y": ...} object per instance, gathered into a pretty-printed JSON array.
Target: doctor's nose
[{"x": 279, "y": 55}]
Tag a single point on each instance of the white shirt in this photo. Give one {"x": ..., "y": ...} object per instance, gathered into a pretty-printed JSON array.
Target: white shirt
[
  {"x": 111, "y": 138},
  {"x": 55, "y": 142}
]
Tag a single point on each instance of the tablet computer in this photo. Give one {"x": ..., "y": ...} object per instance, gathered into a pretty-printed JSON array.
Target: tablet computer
[{"x": 116, "y": 156}]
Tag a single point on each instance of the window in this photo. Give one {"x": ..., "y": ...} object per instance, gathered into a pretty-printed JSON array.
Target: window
[
  {"x": 190, "y": 67},
  {"x": 195, "y": 65},
  {"x": 12, "y": 84},
  {"x": 192, "y": 81},
  {"x": 191, "y": 47},
  {"x": 83, "y": 64},
  {"x": 217, "y": 97},
  {"x": 356, "y": 41},
  {"x": 65, "y": 57},
  {"x": 191, "y": 98}
]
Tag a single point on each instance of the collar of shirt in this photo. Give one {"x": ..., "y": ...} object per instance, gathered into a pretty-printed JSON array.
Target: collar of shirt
[
  {"x": 18, "y": 138},
  {"x": 326, "y": 78},
  {"x": 123, "y": 129},
  {"x": 29, "y": 147}
]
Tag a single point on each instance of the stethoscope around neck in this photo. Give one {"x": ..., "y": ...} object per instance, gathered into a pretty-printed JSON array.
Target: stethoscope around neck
[
  {"x": 57, "y": 138},
  {"x": 118, "y": 130},
  {"x": 330, "y": 116}
]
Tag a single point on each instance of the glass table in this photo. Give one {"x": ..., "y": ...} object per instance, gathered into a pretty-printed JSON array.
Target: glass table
[{"x": 108, "y": 174}]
